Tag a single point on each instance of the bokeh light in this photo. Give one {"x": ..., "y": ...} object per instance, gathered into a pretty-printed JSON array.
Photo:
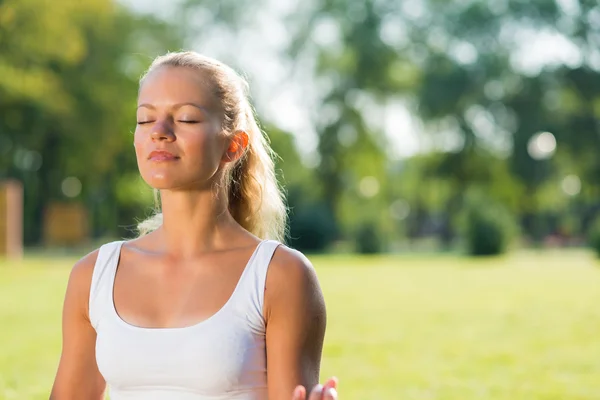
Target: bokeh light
[
  {"x": 542, "y": 146},
  {"x": 71, "y": 186}
]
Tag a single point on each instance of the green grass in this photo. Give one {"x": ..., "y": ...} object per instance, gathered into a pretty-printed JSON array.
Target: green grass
[{"x": 523, "y": 327}]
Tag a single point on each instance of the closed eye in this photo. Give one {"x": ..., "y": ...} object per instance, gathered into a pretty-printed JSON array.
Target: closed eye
[
  {"x": 188, "y": 122},
  {"x": 144, "y": 122}
]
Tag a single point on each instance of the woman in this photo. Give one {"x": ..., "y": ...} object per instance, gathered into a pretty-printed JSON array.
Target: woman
[{"x": 201, "y": 305}]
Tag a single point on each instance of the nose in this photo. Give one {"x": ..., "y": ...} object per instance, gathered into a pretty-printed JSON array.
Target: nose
[{"x": 162, "y": 130}]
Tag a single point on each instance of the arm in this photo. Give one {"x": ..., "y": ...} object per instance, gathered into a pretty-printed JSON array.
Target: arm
[
  {"x": 296, "y": 318},
  {"x": 78, "y": 376}
]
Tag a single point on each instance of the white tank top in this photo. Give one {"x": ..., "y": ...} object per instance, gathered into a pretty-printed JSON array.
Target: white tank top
[{"x": 222, "y": 357}]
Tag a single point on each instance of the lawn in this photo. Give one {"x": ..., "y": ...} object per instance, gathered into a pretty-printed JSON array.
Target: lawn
[{"x": 522, "y": 327}]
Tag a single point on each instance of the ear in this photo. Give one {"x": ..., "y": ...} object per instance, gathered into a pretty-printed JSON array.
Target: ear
[{"x": 238, "y": 143}]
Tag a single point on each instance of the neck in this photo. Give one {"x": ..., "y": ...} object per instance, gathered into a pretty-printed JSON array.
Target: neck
[{"x": 195, "y": 222}]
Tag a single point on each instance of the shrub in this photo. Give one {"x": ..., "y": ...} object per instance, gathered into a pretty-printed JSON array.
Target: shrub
[
  {"x": 368, "y": 240},
  {"x": 489, "y": 229},
  {"x": 312, "y": 228}
]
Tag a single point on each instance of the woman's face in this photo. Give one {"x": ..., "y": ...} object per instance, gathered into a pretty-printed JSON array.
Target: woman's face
[{"x": 178, "y": 141}]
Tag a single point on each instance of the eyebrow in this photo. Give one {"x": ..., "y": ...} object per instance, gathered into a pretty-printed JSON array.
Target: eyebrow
[{"x": 176, "y": 106}]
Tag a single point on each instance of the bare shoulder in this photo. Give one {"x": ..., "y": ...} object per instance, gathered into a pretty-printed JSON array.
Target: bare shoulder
[
  {"x": 78, "y": 376},
  {"x": 295, "y": 322},
  {"x": 82, "y": 271},
  {"x": 292, "y": 282},
  {"x": 80, "y": 281},
  {"x": 290, "y": 267}
]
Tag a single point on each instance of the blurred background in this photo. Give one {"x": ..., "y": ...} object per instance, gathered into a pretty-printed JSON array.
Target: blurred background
[
  {"x": 391, "y": 118},
  {"x": 424, "y": 130}
]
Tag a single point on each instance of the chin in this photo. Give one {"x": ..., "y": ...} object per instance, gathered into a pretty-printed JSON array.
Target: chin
[{"x": 161, "y": 181}]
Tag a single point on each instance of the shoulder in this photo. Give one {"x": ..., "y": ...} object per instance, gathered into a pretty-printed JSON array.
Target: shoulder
[
  {"x": 290, "y": 267},
  {"x": 78, "y": 286},
  {"x": 80, "y": 277},
  {"x": 83, "y": 269},
  {"x": 292, "y": 282}
]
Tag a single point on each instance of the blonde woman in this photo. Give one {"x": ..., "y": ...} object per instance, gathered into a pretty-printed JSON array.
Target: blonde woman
[{"x": 207, "y": 303}]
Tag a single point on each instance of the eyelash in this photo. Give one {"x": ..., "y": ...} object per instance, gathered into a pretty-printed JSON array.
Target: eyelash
[{"x": 183, "y": 122}]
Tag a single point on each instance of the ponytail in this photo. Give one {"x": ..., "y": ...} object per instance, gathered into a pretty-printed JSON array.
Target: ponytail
[{"x": 255, "y": 198}]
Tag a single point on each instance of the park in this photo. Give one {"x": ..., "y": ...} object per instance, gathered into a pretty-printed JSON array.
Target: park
[{"x": 438, "y": 164}]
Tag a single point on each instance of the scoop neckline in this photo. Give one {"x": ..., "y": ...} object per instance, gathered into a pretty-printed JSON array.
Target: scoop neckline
[{"x": 204, "y": 322}]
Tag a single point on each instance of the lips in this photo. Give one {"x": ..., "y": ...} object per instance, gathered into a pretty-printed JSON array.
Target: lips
[{"x": 162, "y": 155}]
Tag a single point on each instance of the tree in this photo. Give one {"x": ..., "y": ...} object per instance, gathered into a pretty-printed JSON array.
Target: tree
[
  {"x": 455, "y": 65},
  {"x": 68, "y": 87}
]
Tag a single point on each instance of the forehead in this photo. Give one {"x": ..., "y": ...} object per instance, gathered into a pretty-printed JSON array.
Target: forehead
[{"x": 171, "y": 85}]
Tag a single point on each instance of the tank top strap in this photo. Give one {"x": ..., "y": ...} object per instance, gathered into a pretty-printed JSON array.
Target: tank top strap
[
  {"x": 253, "y": 285},
  {"x": 102, "y": 278}
]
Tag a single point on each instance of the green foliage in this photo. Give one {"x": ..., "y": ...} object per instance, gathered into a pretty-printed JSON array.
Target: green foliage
[
  {"x": 68, "y": 80},
  {"x": 594, "y": 236},
  {"x": 68, "y": 86},
  {"x": 311, "y": 228},
  {"x": 131, "y": 190},
  {"x": 368, "y": 239},
  {"x": 291, "y": 172},
  {"x": 489, "y": 228}
]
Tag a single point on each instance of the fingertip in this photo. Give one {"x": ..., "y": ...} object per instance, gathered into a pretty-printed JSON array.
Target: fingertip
[
  {"x": 317, "y": 392},
  {"x": 331, "y": 382},
  {"x": 331, "y": 394},
  {"x": 299, "y": 392}
]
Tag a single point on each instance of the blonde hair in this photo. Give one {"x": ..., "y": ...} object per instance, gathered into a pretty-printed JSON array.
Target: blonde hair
[{"x": 254, "y": 197}]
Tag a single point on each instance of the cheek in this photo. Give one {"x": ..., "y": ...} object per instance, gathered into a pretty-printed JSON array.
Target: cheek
[
  {"x": 203, "y": 149},
  {"x": 137, "y": 144}
]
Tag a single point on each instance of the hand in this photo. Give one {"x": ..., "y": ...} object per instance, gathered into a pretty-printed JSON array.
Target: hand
[{"x": 319, "y": 392}]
